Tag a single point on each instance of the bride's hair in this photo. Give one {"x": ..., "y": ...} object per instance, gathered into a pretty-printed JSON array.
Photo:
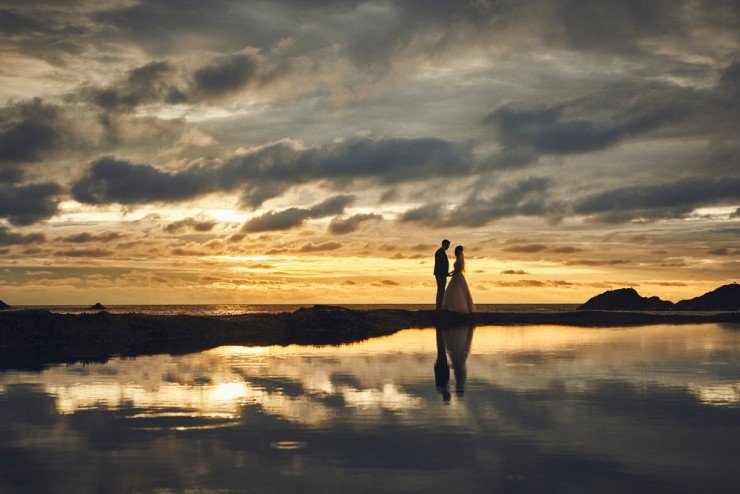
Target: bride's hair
[{"x": 460, "y": 256}]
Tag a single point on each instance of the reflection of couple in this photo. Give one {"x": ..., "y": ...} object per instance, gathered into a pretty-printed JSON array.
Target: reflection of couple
[
  {"x": 455, "y": 342},
  {"x": 456, "y": 296}
]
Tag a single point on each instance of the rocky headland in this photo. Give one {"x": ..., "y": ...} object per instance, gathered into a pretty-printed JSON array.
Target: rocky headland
[{"x": 724, "y": 298}]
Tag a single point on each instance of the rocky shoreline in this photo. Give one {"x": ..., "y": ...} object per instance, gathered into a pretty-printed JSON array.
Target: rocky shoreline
[{"x": 30, "y": 339}]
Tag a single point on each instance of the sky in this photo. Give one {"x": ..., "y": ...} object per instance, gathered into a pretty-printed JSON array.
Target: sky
[{"x": 160, "y": 152}]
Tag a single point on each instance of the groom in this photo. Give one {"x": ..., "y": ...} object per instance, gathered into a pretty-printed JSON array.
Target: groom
[{"x": 441, "y": 270}]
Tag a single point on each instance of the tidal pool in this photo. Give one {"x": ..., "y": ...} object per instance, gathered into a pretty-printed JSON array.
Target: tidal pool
[{"x": 486, "y": 409}]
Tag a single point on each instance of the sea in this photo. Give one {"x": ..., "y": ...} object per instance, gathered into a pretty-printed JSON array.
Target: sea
[{"x": 236, "y": 309}]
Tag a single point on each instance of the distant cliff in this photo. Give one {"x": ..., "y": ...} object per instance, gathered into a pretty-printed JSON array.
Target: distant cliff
[
  {"x": 724, "y": 298},
  {"x": 3, "y": 305}
]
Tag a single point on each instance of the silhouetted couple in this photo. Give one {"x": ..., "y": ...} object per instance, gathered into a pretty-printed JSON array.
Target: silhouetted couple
[{"x": 455, "y": 296}]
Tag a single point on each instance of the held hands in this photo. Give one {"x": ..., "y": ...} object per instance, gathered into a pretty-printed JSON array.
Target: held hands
[{"x": 450, "y": 273}]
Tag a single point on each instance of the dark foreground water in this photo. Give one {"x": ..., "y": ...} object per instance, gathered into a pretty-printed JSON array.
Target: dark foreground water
[{"x": 525, "y": 409}]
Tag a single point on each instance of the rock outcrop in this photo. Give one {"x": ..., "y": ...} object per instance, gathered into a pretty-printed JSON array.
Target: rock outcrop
[
  {"x": 625, "y": 299},
  {"x": 724, "y": 298},
  {"x": 97, "y": 306}
]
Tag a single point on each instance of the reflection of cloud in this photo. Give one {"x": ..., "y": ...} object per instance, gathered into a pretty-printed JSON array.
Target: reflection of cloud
[
  {"x": 390, "y": 397},
  {"x": 726, "y": 394}
]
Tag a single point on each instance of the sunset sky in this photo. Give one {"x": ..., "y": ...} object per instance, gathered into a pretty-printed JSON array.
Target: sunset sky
[{"x": 229, "y": 151}]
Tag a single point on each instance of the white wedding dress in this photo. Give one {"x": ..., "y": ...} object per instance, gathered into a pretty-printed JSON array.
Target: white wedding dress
[{"x": 457, "y": 295}]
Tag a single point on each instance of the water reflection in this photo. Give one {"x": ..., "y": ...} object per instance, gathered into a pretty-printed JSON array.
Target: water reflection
[
  {"x": 452, "y": 341},
  {"x": 544, "y": 408}
]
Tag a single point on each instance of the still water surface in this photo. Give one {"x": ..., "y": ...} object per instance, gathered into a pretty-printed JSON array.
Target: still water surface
[{"x": 524, "y": 409}]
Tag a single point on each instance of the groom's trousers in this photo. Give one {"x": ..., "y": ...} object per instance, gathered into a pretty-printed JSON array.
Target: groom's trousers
[{"x": 441, "y": 282}]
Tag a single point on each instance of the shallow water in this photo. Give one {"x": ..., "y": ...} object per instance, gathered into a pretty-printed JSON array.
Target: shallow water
[{"x": 528, "y": 409}]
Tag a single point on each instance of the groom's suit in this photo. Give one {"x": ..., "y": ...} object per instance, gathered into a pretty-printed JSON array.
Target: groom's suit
[{"x": 441, "y": 269}]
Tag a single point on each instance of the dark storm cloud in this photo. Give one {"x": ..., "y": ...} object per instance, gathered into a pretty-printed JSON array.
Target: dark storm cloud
[
  {"x": 322, "y": 247},
  {"x": 8, "y": 237},
  {"x": 341, "y": 226},
  {"x": 271, "y": 170},
  {"x": 370, "y": 32},
  {"x": 225, "y": 75},
  {"x": 110, "y": 180},
  {"x": 44, "y": 31},
  {"x": 193, "y": 224},
  {"x": 149, "y": 83},
  {"x": 91, "y": 252},
  {"x": 162, "y": 82},
  {"x": 720, "y": 251},
  {"x": 87, "y": 237},
  {"x": 27, "y": 131},
  {"x": 613, "y": 25},
  {"x": 429, "y": 214},
  {"x": 667, "y": 200},
  {"x": 29, "y": 203},
  {"x": 383, "y": 160},
  {"x": 572, "y": 127},
  {"x": 525, "y": 197},
  {"x": 160, "y": 25},
  {"x": 294, "y": 217}
]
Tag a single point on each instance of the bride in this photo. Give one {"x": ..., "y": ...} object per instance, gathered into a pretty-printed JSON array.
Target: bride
[{"x": 457, "y": 295}]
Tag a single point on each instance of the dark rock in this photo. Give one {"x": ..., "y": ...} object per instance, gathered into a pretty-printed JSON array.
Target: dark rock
[
  {"x": 726, "y": 297},
  {"x": 97, "y": 306},
  {"x": 625, "y": 299},
  {"x": 3, "y": 305}
]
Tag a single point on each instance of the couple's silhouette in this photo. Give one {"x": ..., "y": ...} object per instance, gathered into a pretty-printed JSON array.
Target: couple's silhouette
[
  {"x": 454, "y": 341},
  {"x": 455, "y": 296}
]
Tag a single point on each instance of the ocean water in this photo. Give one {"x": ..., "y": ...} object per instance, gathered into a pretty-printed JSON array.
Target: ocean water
[
  {"x": 235, "y": 309},
  {"x": 486, "y": 409}
]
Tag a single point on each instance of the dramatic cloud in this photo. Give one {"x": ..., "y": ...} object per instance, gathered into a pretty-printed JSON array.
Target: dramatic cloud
[
  {"x": 525, "y": 197},
  {"x": 667, "y": 200},
  {"x": 162, "y": 82},
  {"x": 225, "y": 75},
  {"x": 91, "y": 252},
  {"x": 311, "y": 247},
  {"x": 8, "y": 237},
  {"x": 197, "y": 225},
  {"x": 87, "y": 237},
  {"x": 553, "y": 130},
  {"x": 27, "y": 131},
  {"x": 293, "y": 217},
  {"x": 269, "y": 171},
  {"x": 341, "y": 226},
  {"x": 110, "y": 180},
  {"x": 149, "y": 83},
  {"x": 26, "y": 204}
]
